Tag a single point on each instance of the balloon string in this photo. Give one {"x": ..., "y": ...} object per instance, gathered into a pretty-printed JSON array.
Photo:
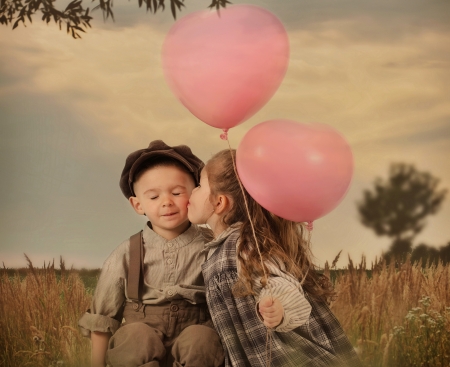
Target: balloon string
[{"x": 224, "y": 136}]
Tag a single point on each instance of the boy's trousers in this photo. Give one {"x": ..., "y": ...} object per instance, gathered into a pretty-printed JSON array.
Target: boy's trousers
[{"x": 177, "y": 334}]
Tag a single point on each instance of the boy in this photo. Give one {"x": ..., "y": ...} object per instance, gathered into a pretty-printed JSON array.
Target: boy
[{"x": 157, "y": 289}]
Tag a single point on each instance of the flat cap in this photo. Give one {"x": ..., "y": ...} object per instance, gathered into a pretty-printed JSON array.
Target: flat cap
[{"x": 157, "y": 149}]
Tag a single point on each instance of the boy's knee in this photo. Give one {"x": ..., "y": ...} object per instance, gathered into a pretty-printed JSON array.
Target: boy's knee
[
  {"x": 198, "y": 345},
  {"x": 135, "y": 345}
]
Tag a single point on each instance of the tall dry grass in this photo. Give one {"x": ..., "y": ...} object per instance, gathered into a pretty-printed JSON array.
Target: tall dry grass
[
  {"x": 38, "y": 318},
  {"x": 396, "y": 316},
  {"x": 389, "y": 311}
]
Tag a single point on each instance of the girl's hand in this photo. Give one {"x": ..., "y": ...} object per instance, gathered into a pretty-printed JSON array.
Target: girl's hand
[{"x": 271, "y": 311}]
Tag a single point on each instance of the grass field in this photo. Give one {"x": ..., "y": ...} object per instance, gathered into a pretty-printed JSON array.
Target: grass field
[
  {"x": 394, "y": 316},
  {"x": 38, "y": 317}
]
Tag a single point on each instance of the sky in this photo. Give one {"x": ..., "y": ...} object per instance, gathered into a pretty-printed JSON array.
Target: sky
[{"x": 72, "y": 110}]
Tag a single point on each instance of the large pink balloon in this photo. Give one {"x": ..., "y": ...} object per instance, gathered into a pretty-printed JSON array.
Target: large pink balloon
[
  {"x": 225, "y": 66},
  {"x": 298, "y": 171}
]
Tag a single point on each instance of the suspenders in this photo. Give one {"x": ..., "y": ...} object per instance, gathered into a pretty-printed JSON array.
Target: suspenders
[{"x": 136, "y": 270}]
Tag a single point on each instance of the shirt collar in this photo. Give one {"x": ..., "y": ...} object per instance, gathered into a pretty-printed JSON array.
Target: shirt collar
[
  {"x": 220, "y": 239},
  {"x": 153, "y": 238}
]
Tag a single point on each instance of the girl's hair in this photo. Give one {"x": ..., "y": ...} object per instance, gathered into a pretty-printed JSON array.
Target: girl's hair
[{"x": 280, "y": 240}]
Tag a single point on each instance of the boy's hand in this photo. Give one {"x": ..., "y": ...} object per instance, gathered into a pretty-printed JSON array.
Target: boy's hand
[
  {"x": 99, "y": 347},
  {"x": 271, "y": 311}
]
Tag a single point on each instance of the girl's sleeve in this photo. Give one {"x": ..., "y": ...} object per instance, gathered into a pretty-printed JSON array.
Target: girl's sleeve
[
  {"x": 289, "y": 292},
  {"x": 105, "y": 312}
]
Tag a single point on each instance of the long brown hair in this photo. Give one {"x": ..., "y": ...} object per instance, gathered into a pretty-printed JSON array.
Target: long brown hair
[{"x": 280, "y": 241}]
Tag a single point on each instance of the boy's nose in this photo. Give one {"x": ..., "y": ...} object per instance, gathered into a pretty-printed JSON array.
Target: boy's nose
[{"x": 167, "y": 201}]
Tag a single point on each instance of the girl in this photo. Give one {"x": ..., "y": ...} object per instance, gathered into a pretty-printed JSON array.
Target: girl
[{"x": 252, "y": 290}]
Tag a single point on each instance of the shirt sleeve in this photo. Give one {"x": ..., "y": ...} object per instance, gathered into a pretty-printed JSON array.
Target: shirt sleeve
[
  {"x": 289, "y": 292},
  {"x": 105, "y": 312}
]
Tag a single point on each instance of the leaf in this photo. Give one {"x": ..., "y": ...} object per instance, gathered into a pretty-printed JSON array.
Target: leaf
[
  {"x": 172, "y": 8},
  {"x": 37, "y": 5},
  {"x": 73, "y": 4},
  {"x": 179, "y": 3},
  {"x": 111, "y": 13},
  {"x": 16, "y": 24},
  {"x": 213, "y": 4}
]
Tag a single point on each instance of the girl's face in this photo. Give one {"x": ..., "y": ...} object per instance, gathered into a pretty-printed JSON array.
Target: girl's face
[{"x": 200, "y": 208}]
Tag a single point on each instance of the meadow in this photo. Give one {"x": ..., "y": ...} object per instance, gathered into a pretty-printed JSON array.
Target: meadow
[{"x": 395, "y": 315}]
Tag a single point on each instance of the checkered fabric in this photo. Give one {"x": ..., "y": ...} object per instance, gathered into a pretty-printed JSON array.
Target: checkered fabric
[{"x": 319, "y": 342}]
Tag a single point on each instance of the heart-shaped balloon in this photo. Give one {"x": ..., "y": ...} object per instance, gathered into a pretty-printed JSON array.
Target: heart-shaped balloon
[
  {"x": 224, "y": 66},
  {"x": 297, "y": 171}
]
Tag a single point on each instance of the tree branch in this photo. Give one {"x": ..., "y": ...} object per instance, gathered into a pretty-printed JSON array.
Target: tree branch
[{"x": 75, "y": 17}]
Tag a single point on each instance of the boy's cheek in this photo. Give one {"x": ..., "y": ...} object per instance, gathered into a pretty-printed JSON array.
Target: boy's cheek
[{"x": 185, "y": 206}]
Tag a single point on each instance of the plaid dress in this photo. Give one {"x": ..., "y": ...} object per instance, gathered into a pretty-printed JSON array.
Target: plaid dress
[{"x": 319, "y": 342}]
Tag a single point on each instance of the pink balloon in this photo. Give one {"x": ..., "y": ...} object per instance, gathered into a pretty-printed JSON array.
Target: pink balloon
[
  {"x": 225, "y": 66},
  {"x": 297, "y": 171}
]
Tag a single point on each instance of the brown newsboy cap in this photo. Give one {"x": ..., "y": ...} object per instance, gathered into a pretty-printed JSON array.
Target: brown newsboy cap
[{"x": 156, "y": 149}]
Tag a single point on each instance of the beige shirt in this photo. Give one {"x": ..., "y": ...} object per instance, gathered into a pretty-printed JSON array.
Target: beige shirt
[{"x": 172, "y": 270}]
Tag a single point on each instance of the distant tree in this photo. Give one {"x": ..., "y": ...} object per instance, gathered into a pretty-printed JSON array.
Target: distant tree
[
  {"x": 397, "y": 207},
  {"x": 425, "y": 254},
  {"x": 399, "y": 249},
  {"x": 75, "y": 18},
  {"x": 444, "y": 254}
]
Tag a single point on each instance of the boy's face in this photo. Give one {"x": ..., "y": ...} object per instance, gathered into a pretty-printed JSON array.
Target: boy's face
[{"x": 162, "y": 193}]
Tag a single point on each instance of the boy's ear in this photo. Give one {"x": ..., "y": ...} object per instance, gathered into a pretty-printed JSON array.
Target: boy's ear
[
  {"x": 221, "y": 204},
  {"x": 136, "y": 204}
]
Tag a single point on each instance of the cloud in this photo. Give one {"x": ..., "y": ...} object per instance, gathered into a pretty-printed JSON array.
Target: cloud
[
  {"x": 435, "y": 132},
  {"x": 58, "y": 183},
  {"x": 380, "y": 21},
  {"x": 71, "y": 111}
]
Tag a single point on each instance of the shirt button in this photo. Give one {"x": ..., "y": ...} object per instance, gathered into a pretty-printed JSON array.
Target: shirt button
[
  {"x": 170, "y": 292},
  {"x": 174, "y": 308},
  {"x": 170, "y": 244},
  {"x": 169, "y": 261},
  {"x": 135, "y": 306}
]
